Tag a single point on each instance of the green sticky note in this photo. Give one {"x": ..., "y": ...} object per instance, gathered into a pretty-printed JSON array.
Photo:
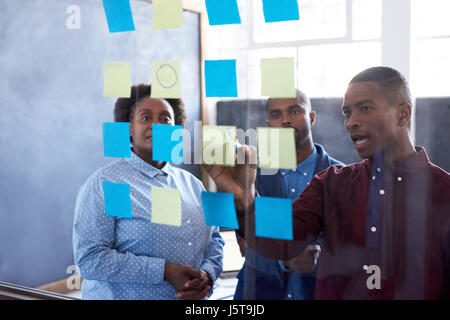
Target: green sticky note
[
  {"x": 166, "y": 81},
  {"x": 117, "y": 79},
  {"x": 219, "y": 145},
  {"x": 167, "y": 14},
  {"x": 276, "y": 148},
  {"x": 277, "y": 78},
  {"x": 166, "y": 206}
]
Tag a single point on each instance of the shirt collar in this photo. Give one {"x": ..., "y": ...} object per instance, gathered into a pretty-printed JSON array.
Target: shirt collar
[
  {"x": 410, "y": 164},
  {"x": 136, "y": 162}
]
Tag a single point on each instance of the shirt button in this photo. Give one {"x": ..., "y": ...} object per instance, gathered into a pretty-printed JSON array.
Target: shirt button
[
  {"x": 305, "y": 174},
  {"x": 188, "y": 221},
  {"x": 289, "y": 295},
  {"x": 189, "y": 243},
  {"x": 381, "y": 191},
  {"x": 373, "y": 178},
  {"x": 293, "y": 190},
  {"x": 283, "y": 173},
  {"x": 399, "y": 178},
  {"x": 378, "y": 169},
  {"x": 373, "y": 229}
]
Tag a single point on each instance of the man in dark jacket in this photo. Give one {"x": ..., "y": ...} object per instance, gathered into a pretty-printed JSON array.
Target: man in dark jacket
[{"x": 262, "y": 278}]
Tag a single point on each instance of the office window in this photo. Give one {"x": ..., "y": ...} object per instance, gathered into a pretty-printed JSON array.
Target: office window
[
  {"x": 432, "y": 18},
  {"x": 431, "y": 59},
  {"x": 325, "y": 70},
  {"x": 319, "y": 19},
  {"x": 366, "y": 19}
]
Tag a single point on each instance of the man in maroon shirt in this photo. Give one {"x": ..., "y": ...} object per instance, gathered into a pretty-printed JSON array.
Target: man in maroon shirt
[{"x": 385, "y": 220}]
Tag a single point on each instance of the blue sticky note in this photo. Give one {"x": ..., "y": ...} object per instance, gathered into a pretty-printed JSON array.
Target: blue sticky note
[
  {"x": 167, "y": 143},
  {"x": 219, "y": 209},
  {"x": 118, "y": 15},
  {"x": 280, "y": 10},
  {"x": 222, "y": 12},
  {"x": 273, "y": 218},
  {"x": 220, "y": 78},
  {"x": 116, "y": 139},
  {"x": 117, "y": 199}
]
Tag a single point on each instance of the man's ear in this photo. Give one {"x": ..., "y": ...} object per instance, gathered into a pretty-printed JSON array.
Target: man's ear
[
  {"x": 404, "y": 114},
  {"x": 312, "y": 117}
]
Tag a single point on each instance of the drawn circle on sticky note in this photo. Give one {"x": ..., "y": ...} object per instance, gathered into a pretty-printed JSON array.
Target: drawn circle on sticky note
[{"x": 167, "y": 76}]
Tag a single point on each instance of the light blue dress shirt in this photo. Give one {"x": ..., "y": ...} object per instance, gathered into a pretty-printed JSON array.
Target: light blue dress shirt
[
  {"x": 122, "y": 258},
  {"x": 295, "y": 181}
]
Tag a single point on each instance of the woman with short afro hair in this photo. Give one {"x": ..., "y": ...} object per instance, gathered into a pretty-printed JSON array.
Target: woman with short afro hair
[{"x": 123, "y": 258}]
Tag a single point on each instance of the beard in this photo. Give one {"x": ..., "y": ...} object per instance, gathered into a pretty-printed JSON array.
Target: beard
[{"x": 301, "y": 136}]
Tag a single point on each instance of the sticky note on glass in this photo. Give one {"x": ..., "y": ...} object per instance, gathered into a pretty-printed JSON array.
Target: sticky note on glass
[
  {"x": 273, "y": 218},
  {"x": 167, "y": 143},
  {"x": 276, "y": 148},
  {"x": 116, "y": 139},
  {"x": 117, "y": 199},
  {"x": 280, "y": 10},
  {"x": 278, "y": 78},
  {"x": 117, "y": 79},
  {"x": 220, "y": 78},
  {"x": 166, "y": 206},
  {"x": 222, "y": 12},
  {"x": 118, "y": 15},
  {"x": 219, "y": 209},
  {"x": 219, "y": 145},
  {"x": 167, "y": 14},
  {"x": 166, "y": 80}
]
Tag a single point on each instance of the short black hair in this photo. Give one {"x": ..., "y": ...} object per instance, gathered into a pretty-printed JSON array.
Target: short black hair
[
  {"x": 299, "y": 95},
  {"x": 124, "y": 107},
  {"x": 391, "y": 82}
]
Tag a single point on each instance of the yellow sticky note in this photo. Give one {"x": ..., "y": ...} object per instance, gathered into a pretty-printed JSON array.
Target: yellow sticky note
[
  {"x": 117, "y": 79},
  {"x": 276, "y": 148},
  {"x": 166, "y": 80},
  {"x": 166, "y": 206},
  {"x": 277, "y": 78},
  {"x": 167, "y": 14},
  {"x": 219, "y": 145}
]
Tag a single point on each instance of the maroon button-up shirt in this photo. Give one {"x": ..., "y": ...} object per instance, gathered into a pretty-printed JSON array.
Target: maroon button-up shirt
[{"x": 412, "y": 247}]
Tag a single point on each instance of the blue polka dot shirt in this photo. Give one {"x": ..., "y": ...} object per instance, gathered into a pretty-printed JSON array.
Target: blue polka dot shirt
[{"x": 122, "y": 258}]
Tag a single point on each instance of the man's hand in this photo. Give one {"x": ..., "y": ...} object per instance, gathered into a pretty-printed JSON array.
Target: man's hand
[
  {"x": 240, "y": 179},
  {"x": 306, "y": 261}
]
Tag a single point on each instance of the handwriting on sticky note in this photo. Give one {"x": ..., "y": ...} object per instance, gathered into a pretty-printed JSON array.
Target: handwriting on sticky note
[{"x": 166, "y": 81}]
